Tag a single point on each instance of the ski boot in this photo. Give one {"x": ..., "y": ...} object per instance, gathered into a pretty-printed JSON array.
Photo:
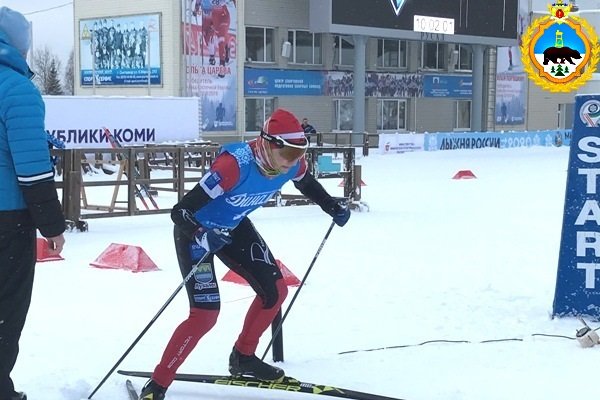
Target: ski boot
[
  {"x": 252, "y": 366},
  {"x": 211, "y": 59},
  {"x": 152, "y": 391}
]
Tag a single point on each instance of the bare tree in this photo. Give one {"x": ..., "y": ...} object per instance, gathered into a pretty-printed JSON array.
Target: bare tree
[
  {"x": 46, "y": 66},
  {"x": 69, "y": 80}
]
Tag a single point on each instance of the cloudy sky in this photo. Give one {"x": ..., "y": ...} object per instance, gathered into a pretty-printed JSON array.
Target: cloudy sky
[{"x": 53, "y": 21}]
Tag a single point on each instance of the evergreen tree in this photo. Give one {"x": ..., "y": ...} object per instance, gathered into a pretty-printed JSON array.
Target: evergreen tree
[
  {"x": 559, "y": 71},
  {"x": 566, "y": 69},
  {"x": 52, "y": 84},
  {"x": 552, "y": 70}
]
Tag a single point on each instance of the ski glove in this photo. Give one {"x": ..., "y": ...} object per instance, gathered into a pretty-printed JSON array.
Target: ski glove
[
  {"x": 340, "y": 213},
  {"x": 212, "y": 240}
]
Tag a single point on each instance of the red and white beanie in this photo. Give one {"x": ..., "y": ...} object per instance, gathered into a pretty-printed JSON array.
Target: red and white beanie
[{"x": 284, "y": 124}]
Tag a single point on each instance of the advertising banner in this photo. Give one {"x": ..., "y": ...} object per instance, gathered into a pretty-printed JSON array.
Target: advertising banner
[
  {"x": 210, "y": 57},
  {"x": 277, "y": 82},
  {"x": 120, "y": 51},
  {"x": 281, "y": 82},
  {"x": 578, "y": 281},
  {"x": 455, "y": 86},
  {"x": 479, "y": 140},
  {"x": 80, "y": 120},
  {"x": 390, "y": 143},
  {"x": 510, "y": 98}
]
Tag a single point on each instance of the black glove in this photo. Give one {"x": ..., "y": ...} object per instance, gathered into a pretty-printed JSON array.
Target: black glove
[
  {"x": 340, "y": 213},
  {"x": 212, "y": 240}
]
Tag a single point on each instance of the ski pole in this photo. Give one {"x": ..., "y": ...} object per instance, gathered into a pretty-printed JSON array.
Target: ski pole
[
  {"x": 276, "y": 332},
  {"x": 152, "y": 321}
]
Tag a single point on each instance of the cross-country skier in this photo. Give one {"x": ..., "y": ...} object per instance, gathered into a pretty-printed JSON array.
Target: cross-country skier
[{"x": 213, "y": 218}]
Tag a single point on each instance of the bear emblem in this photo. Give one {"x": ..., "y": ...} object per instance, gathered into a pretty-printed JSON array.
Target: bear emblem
[{"x": 558, "y": 55}]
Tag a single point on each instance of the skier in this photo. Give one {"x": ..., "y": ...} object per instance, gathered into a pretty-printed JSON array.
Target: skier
[{"x": 212, "y": 218}]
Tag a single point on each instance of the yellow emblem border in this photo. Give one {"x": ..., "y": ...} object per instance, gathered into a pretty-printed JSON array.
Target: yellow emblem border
[{"x": 540, "y": 77}]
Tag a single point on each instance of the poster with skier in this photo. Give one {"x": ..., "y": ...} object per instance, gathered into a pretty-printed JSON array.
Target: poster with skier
[{"x": 209, "y": 47}]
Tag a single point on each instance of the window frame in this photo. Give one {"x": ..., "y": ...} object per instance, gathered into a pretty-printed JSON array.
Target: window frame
[
  {"x": 338, "y": 50},
  {"x": 317, "y": 50},
  {"x": 265, "y": 112},
  {"x": 266, "y": 56},
  {"x": 337, "y": 111},
  {"x": 380, "y": 111},
  {"x": 457, "y": 104},
  {"x": 439, "y": 58},
  {"x": 402, "y": 58}
]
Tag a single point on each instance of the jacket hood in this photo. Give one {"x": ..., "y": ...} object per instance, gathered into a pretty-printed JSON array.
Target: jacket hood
[{"x": 10, "y": 57}]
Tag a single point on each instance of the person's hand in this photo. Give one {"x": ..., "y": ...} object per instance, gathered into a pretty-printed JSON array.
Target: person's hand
[
  {"x": 55, "y": 244},
  {"x": 212, "y": 240},
  {"x": 340, "y": 214}
]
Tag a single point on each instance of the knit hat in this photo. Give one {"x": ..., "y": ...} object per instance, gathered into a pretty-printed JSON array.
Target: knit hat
[
  {"x": 283, "y": 135},
  {"x": 16, "y": 28},
  {"x": 285, "y": 125}
]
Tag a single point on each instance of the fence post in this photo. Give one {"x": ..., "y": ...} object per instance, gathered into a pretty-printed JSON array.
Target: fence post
[
  {"x": 357, "y": 192},
  {"x": 365, "y": 144}
]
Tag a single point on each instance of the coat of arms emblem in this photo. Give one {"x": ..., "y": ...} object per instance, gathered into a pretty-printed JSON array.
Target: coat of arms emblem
[{"x": 560, "y": 51}]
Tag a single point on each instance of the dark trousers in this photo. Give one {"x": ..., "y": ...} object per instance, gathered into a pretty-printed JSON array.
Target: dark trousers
[
  {"x": 17, "y": 263},
  {"x": 248, "y": 255}
]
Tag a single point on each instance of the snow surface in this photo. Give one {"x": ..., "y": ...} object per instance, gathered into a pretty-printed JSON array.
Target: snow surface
[{"x": 434, "y": 259}]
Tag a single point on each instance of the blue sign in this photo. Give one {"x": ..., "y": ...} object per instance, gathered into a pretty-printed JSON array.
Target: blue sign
[
  {"x": 121, "y": 77},
  {"x": 276, "y": 82},
  {"x": 577, "y": 280},
  {"x": 456, "y": 86},
  {"x": 479, "y": 140}
]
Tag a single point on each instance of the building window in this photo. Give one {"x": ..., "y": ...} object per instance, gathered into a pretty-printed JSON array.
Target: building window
[
  {"x": 391, "y": 53},
  {"x": 344, "y": 51},
  {"x": 391, "y": 115},
  {"x": 257, "y": 112},
  {"x": 306, "y": 47},
  {"x": 463, "y": 115},
  {"x": 344, "y": 110},
  {"x": 259, "y": 44},
  {"x": 433, "y": 55},
  {"x": 464, "y": 60}
]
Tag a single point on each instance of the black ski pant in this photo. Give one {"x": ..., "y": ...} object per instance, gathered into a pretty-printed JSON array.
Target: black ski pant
[
  {"x": 248, "y": 255},
  {"x": 17, "y": 263}
]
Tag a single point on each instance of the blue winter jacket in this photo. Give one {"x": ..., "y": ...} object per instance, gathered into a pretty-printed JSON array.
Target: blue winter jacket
[{"x": 26, "y": 172}]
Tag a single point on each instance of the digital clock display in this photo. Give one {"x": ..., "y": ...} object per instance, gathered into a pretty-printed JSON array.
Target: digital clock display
[{"x": 433, "y": 25}]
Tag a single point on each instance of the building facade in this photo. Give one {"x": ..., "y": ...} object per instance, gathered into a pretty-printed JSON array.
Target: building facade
[{"x": 245, "y": 58}]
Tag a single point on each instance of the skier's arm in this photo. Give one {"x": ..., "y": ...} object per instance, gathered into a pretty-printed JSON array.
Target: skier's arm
[
  {"x": 223, "y": 175},
  {"x": 311, "y": 188}
]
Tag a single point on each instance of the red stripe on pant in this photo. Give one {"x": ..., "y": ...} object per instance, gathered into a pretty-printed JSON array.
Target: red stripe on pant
[{"x": 184, "y": 340}]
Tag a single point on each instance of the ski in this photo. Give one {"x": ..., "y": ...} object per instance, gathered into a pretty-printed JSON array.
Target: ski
[
  {"x": 143, "y": 188},
  {"x": 131, "y": 390},
  {"x": 288, "y": 384}
]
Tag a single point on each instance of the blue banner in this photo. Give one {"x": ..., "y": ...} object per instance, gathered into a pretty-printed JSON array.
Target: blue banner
[
  {"x": 479, "y": 140},
  {"x": 456, "y": 86},
  {"x": 122, "y": 76},
  {"x": 275, "y": 82},
  {"x": 577, "y": 281}
]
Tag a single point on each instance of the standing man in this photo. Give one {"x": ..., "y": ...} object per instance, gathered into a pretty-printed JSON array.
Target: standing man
[
  {"x": 28, "y": 198},
  {"x": 213, "y": 218},
  {"x": 308, "y": 128}
]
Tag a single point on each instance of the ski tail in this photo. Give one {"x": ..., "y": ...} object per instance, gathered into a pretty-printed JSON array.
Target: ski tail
[{"x": 288, "y": 384}]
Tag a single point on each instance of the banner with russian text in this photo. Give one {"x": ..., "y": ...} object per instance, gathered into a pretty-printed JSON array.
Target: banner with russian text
[
  {"x": 578, "y": 280},
  {"x": 80, "y": 121},
  {"x": 209, "y": 30}
]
